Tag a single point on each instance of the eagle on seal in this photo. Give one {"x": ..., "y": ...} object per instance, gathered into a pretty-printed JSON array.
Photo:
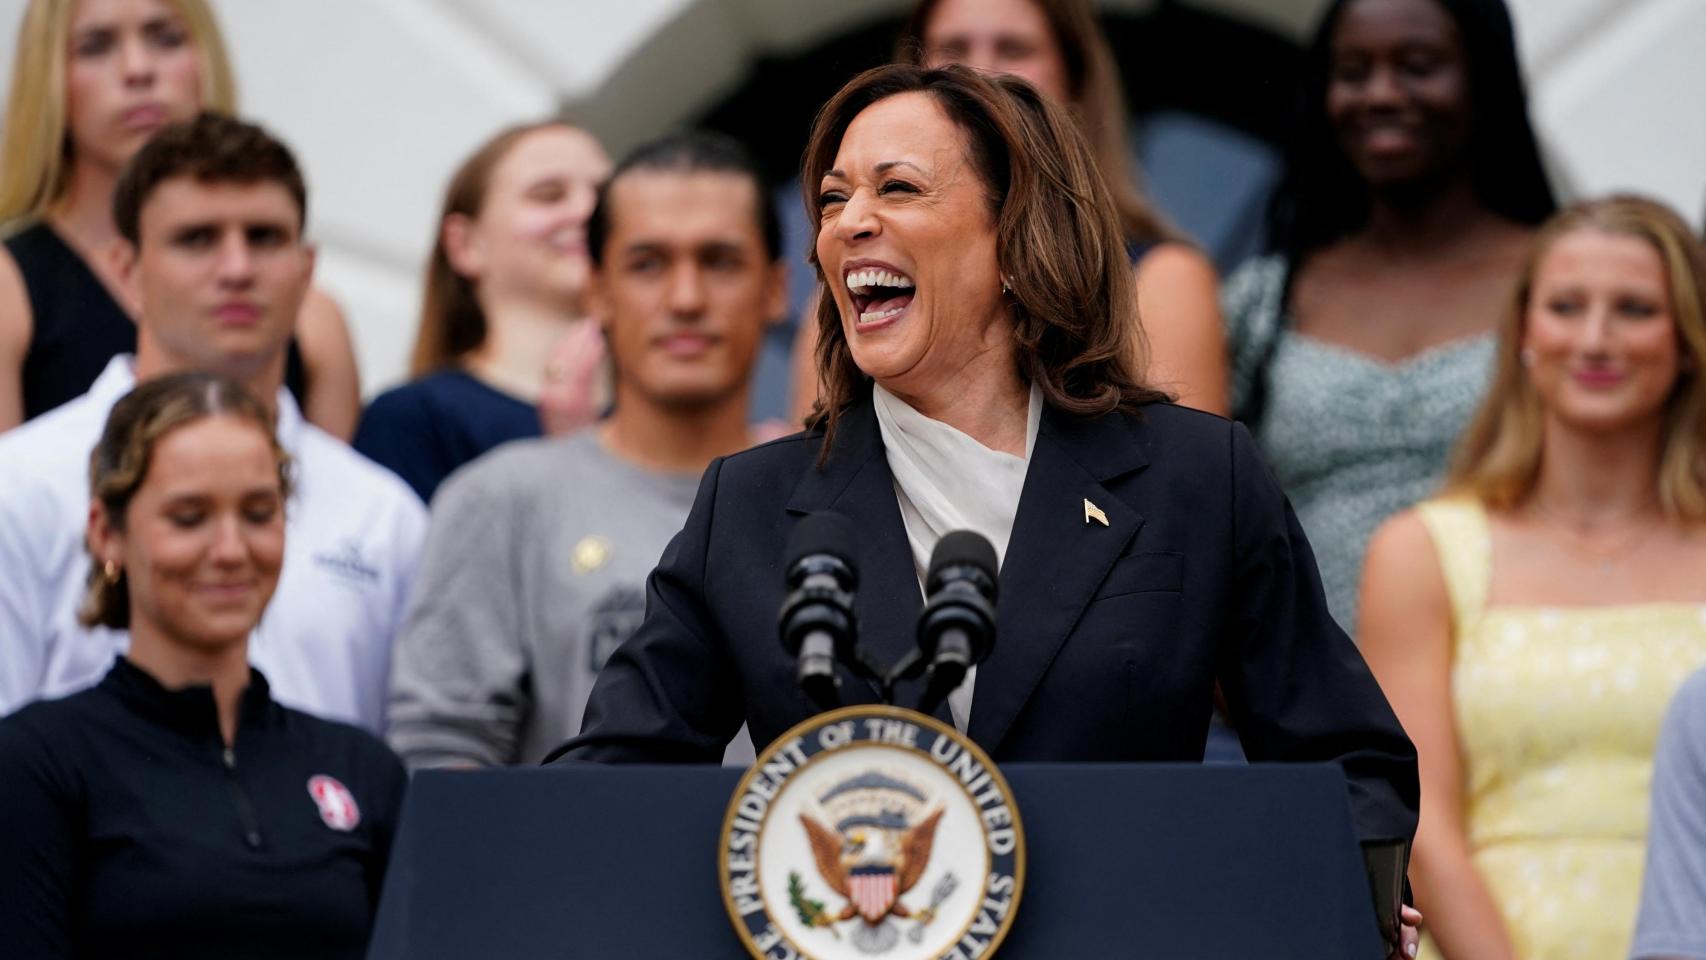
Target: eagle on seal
[{"x": 872, "y": 865}]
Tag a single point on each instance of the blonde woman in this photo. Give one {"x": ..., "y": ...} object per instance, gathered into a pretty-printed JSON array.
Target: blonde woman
[
  {"x": 91, "y": 82},
  {"x": 1531, "y": 624}
]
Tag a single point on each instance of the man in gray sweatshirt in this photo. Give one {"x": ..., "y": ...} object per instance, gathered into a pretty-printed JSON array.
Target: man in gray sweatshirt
[{"x": 537, "y": 555}]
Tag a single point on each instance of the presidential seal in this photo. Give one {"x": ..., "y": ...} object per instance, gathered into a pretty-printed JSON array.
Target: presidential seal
[{"x": 872, "y": 831}]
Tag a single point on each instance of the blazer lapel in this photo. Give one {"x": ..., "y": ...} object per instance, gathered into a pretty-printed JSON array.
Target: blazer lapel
[
  {"x": 1058, "y": 556},
  {"x": 855, "y": 482}
]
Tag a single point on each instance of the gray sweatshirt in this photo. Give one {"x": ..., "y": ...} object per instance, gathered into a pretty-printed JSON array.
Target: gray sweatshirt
[{"x": 535, "y": 570}]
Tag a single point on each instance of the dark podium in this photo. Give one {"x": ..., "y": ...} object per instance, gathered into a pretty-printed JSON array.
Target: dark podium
[{"x": 1177, "y": 862}]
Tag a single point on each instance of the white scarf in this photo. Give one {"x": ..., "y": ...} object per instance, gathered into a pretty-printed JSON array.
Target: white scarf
[{"x": 945, "y": 481}]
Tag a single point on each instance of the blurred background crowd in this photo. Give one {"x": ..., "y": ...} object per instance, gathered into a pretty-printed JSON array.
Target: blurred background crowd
[
  {"x": 1440, "y": 257},
  {"x": 1207, "y": 83}
]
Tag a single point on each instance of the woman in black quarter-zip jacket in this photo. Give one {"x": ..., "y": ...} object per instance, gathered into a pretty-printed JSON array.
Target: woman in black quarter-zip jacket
[{"x": 175, "y": 809}]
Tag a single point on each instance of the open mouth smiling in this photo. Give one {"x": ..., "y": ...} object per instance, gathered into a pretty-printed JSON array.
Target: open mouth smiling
[{"x": 879, "y": 293}]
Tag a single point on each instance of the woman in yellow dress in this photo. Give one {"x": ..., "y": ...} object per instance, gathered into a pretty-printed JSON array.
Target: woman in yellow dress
[{"x": 1530, "y": 625}]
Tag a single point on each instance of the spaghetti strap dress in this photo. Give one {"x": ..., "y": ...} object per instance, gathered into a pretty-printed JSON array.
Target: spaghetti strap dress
[{"x": 1558, "y": 710}]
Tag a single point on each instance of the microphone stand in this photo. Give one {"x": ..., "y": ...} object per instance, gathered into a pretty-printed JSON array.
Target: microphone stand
[
  {"x": 962, "y": 605},
  {"x": 867, "y": 667}
]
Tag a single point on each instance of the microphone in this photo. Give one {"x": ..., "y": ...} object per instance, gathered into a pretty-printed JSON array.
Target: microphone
[
  {"x": 817, "y": 622},
  {"x": 956, "y": 630}
]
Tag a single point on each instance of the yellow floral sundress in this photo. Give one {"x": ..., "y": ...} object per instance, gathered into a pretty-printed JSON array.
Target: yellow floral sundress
[{"x": 1558, "y": 711}]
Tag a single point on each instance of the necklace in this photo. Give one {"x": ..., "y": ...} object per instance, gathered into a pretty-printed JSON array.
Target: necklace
[{"x": 1605, "y": 557}]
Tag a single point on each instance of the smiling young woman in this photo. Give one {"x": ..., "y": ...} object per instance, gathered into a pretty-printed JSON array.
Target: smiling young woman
[
  {"x": 506, "y": 347},
  {"x": 1360, "y": 344},
  {"x": 93, "y": 80},
  {"x": 1531, "y": 624},
  {"x": 176, "y": 805}
]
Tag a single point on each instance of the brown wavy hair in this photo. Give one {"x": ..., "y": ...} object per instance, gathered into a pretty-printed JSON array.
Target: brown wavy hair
[
  {"x": 452, "y": 323},
  {"x": 211, "y": 148},
  {"x": 1498, "y": 460},
  {"x": 119, "y": 464},
  {"x": 1094, "y": 97},
  {"x": 1075, "y": 326}
]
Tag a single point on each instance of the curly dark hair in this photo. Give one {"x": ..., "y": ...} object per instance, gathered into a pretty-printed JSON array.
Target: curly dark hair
[{"x": 212, "y": 148}]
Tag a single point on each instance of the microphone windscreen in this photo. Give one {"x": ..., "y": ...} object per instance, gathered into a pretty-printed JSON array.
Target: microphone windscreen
[
  {"x": 822, "y": 532},
  {"x": 961, "y": 548}
]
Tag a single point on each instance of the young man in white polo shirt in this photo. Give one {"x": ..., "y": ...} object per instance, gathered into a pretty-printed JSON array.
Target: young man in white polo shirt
[{"x": 215, "y": 263}]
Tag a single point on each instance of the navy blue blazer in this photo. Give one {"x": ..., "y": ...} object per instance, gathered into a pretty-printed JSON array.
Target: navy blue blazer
[{"x": 1109, "y": 638}]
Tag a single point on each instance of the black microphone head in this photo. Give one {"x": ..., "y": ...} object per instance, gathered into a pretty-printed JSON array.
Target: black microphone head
[
  {"x": 818, "y": 624},
  {"x": 823, "y": 532},
  {"x": 961, "y": 548},
  {"x": 956, "y": 628}
]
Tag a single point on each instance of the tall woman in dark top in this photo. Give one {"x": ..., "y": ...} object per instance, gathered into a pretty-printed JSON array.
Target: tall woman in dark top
[
  {"x": 506, "y": 340},
  {"x": 1363, "y": 342},
  {"x": 1059, "y": 48},
  {"x": 91, "y": 82},
  {"x": 175, "y": 809},
  {"x": 979, "y": 370}
]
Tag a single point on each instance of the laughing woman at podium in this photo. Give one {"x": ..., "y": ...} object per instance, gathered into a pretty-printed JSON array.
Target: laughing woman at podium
[
  {"x": 979, "y": 375},
  {"x": 175, "y": 809}
]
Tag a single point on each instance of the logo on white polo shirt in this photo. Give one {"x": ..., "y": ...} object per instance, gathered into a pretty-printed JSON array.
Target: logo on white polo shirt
[
  {"x": 347, "y": 563},
  {"x": 338, "y": 808}
]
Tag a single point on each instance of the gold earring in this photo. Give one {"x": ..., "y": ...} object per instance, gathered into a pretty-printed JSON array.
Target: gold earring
[{"x": 109, "y": 570}]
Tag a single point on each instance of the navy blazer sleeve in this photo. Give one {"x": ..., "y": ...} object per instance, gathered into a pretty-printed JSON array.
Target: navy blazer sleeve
[
  {"x": 1297, "y": 688},
  {"x": 668, "y": 694}
]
